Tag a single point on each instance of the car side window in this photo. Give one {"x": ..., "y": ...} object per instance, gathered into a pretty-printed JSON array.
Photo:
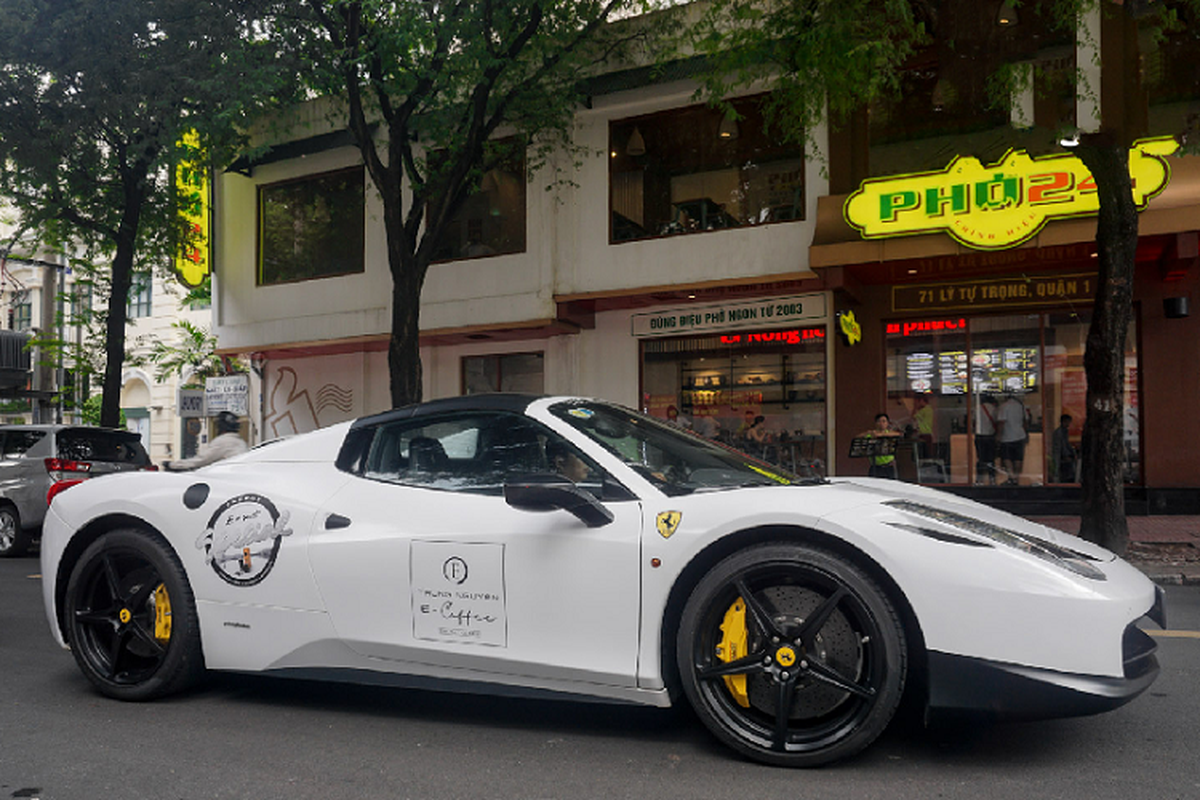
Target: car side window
[
  {"x": 472, "y": 453},
  {"x": 17, "y": 442}
]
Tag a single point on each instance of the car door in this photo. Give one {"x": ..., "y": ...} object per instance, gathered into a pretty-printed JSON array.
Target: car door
[{"x": 423, "y": 561}]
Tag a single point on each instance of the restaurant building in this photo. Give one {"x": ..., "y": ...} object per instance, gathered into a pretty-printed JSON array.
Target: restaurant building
[{"x": 930, "y": 258}]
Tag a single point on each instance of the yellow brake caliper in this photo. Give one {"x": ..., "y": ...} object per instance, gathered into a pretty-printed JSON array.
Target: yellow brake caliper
[
  {"x": 734, "y": 645},
  {"x": 162, "y": 614}
]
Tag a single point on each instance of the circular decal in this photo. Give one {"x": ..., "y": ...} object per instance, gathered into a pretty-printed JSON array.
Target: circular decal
[
  {"x": 242, "y": 539},
  {"x": 195, "y": 495},
  {"x": 125, "y": 616}
]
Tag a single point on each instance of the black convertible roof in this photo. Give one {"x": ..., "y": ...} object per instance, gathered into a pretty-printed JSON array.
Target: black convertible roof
[{"x": 499, "y": 401}]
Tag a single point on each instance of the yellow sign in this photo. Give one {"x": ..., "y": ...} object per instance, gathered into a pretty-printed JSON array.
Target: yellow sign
[
  {"x": 851, "y": 329},
  {"x": 191, "y": 181},
  {"x": 999, "y": 205},
  {"x": 667, "y": 522}
]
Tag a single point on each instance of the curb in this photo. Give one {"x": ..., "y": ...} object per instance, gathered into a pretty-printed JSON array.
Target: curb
[{"x": 1171, "y": 575}]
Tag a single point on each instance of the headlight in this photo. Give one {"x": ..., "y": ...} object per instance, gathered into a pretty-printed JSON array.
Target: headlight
[{"x": 1060, "y": 556}]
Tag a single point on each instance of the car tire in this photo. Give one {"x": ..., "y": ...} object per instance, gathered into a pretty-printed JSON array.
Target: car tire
[
  {"x": 13, "y": 541},
  {"x": 791, "y": 655},
  {"x": 131, "y": 617}
]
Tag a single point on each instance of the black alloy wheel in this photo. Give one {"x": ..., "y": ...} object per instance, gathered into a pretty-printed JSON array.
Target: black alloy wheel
[
  {"x": 792, "y": 655},
  {"x": 131, "y": 618}
]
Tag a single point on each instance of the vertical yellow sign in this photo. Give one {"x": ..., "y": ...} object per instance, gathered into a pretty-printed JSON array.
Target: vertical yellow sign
[{"x": 192, "y": 263}]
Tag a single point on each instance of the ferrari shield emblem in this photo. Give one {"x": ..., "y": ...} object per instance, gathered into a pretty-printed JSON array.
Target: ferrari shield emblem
[{"x": 668, "y": 521}]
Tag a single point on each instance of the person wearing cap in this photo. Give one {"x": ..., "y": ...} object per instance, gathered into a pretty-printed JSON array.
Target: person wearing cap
[{"x": 225, "y": 444}]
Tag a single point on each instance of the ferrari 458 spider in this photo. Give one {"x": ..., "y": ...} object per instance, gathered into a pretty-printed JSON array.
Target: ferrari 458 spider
[{"x": 510, "y": 543}]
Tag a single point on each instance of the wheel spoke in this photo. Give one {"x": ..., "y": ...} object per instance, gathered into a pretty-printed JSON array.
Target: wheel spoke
[
  {"x": 103, "y": 619},
  {"x": 817, "y": 619},
  {"x": 742, "y": 666},
  {"x": 826, "y": 674},
  {"x": 111, "y": 577},
  {"x": 141, "y": 635},
  {"x": 114, "y": 652},
  {"x": 783, "y": 712},
  {"x": 758, "y": 612},
  {"x": 146, "y": 582}
]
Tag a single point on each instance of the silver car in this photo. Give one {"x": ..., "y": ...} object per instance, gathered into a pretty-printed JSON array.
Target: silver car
[{"x": 34, "y": 457}]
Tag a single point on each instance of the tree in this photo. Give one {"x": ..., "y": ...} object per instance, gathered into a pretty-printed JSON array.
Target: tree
[
  {"x": 829, "y": 57},
  {"x": 95, "y": 98},
  {"x": 194, "y": 350},
  {"x": 441, "y": 80}
]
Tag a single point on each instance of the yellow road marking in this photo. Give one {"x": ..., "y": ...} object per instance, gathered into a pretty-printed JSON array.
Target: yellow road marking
[{"x": 1176, "y": 634}]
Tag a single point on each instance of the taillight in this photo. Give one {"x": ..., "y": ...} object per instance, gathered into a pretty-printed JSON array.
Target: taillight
[
  {"x": 61, "y": 469},
  {"x": 58, "y": 486},
  {"x": 150, "y": 468}
]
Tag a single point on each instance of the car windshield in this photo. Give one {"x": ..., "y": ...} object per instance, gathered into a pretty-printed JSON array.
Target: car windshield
[{"x": 675, "y": 461}]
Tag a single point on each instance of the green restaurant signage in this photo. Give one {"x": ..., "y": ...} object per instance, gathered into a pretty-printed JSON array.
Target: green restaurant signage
[{"x": 1000, "y": 205}]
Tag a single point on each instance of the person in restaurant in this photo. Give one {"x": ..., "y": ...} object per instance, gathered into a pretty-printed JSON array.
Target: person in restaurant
[
  {"x": 985, "y": 441},
  {"x": 882, "y": 466},
  {"x": 1011, "y": 436},
  {"x": 1063, "y": 457}
]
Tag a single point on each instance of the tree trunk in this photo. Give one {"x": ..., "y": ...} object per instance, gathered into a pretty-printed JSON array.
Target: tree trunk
[
  {"x": 404, "y": 347},
  {"x": 117, "y": 316},
  {"x": 1103, "y": 452}
]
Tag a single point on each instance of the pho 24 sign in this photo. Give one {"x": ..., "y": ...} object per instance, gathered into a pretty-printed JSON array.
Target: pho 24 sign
[{"x": 1000, "y": 205}]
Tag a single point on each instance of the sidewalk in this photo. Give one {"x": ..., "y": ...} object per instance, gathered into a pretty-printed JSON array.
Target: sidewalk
[{"x": 1166, "y": 548}]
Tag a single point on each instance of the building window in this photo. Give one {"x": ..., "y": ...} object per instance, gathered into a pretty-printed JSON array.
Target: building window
[
  {"x": 139, "y": 296},
  {"x": 694, "y": 169},
  {"x": 311, "y": 228},
  {"x": 511, "y": 372},
  {"x": 491, "y": 221},
  {"x": 759, "y": 391},
  {"x": 22, "y": 317}
]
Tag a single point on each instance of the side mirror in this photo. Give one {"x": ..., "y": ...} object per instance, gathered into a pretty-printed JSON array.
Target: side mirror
[{"x": 553, "y": 492}]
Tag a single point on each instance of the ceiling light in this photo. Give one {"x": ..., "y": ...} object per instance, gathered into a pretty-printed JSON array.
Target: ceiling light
[
  {"x": 1007, "y": 16},
  {"x": 728, "y": 129}
]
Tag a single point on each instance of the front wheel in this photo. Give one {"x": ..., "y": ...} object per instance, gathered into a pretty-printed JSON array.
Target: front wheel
[
  {"x": 791, "y": 655},
  {"x": 131, "y": 617}
]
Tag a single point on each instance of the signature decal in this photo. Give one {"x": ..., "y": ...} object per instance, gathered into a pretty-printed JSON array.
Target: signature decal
[{"x": 242, "y": 539}]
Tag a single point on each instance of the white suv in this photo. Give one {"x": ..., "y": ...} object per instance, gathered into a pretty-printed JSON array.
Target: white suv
[{"x": 35, "y": 457}]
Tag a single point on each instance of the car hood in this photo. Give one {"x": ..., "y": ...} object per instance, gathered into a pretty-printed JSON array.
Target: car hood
[{"x": 876, "y": 497}]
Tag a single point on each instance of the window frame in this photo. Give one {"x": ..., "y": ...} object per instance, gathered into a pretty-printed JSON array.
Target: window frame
[{"x": 260, "y": 220}]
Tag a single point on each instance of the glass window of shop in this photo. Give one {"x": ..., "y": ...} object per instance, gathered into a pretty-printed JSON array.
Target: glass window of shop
[
  {"x": 507, "y": 372},
  {"x": 947, "y": 101},
  {"x": 762, "y": 392},
  {"x": 491, "y": 221},
  {"x": 696, "y": 169},
  {"x": 998, "y": 400}
]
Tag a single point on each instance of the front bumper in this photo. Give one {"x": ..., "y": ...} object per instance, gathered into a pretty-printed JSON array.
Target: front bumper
[{"x": 964, "y": 685}]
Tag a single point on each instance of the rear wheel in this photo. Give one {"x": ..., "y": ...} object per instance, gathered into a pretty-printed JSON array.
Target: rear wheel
[
  {"x": 791, "y": 655},
  {"x": 132, "y": 619},
  {"x": 13, "y": 541}
]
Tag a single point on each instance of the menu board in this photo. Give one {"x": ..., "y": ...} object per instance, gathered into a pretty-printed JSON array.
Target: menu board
[
  {"x": 920, "y": 372},
  {"x": 952, "y": 372},
  {"x": 990, "y": 370},
  {"x": 1004, "y": 369}
]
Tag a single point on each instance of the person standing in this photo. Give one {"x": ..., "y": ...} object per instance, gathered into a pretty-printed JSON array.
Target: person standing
[
  {"x": 882, "y": 466},
  {"x": 1062, "y": 452},
  {"x": 1010, "y": 418},
  {"x": 985, "y": 441},
  {"x": 225, "y": 444}
]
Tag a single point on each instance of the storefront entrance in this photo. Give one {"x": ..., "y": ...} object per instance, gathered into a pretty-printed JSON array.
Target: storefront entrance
[{"x": 1000, "y": 399}]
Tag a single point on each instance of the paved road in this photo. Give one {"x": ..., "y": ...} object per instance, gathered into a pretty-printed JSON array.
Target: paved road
[{"x": 265, "y": 739}]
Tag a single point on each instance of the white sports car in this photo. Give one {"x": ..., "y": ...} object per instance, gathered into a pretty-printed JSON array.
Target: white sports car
[{"x": 507, "y": 543}]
